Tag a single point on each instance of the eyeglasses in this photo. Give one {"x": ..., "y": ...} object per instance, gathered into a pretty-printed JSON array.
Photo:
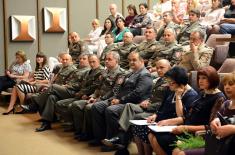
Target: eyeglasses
[{"x": 170, "y": 81}]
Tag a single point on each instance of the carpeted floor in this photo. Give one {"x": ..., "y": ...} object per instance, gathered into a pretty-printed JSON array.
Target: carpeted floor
[{"x": 17, "y": 137}]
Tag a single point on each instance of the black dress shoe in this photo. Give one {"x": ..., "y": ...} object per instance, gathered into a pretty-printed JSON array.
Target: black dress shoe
[
  {"x": 44, "y": 126},
  {"x": 94, "y": 143},
  {"x": 111, "y": 142},
  {"x": 105, "y": 148},
  {"x": 29, "y": 108},
  {"x": 83, "y": 137}
]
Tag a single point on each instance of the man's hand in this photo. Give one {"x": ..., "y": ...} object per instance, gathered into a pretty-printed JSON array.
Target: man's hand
[
  {"x": 193, "y": 47},
  {"x": 115, "y": 101},
  {"x": 91, "y": 100},
  {"x": 144, "y": 104}
]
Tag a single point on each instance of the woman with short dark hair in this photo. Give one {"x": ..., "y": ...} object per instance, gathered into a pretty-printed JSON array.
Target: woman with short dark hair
[
  {"x": 132, "y": 13},
  {"x": 196, "y": 116},
  {"x": 179, "y": 97}
]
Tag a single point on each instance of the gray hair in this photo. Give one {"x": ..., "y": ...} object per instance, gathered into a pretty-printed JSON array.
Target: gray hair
[
  {"x": 115, "y": 55},
  {"x": 172, "y": 30}
]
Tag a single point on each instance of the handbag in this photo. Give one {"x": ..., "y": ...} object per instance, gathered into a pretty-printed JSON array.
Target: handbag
[{"x": 215, "y": 145}]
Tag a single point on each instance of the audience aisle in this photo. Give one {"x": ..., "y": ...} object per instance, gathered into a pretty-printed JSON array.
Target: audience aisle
[{"x": 18, "y": 138}]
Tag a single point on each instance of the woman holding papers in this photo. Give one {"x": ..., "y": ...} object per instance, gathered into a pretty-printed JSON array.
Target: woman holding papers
[
  {"x": 171, "y": 106},
  {"x": 193, "y": 118}
]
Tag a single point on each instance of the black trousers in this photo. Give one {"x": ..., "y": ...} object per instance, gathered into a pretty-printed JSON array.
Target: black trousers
[{"x": 105, "y": 119}]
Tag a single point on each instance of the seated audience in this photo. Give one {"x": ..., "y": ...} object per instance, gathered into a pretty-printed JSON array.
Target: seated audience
[
  {"x": 162, "y": 6},
  {"x": 18, "y": 70},
  {"x": 197, "y": 54},
  {"x": 132, "y": 12},
  {"x": 78, "y": 110},
  {"x": 33, "y": 84},
  {"x": 143, "y": 109},
  {"x": 193, "y": 118},
  {"x": 65, "y": 85},
  {"x": 114, "y": 12},
  {"x": 76, "y": 47},
  {"x": 93, "y": 37},
  {"x": 212, "y": 17},
  {"x": 227, "y": 110},
  {"x": 148, "y": 47},
  {"x": 120, "y": 29},
  {"x": 140, "y": 21},
  {"x": 168, "y": 23},
  {"x": 180, "y": 93},
  {"x": 135, "y": 88},
  {"x": 167, "y": 49},
  {"x": 179, "y": 12},
  {"x": 183, "y": 37},
  {"x": 227, "y": 24},
  {"x": 110, "y": 45},
  {"x": 124, "y": 49}
]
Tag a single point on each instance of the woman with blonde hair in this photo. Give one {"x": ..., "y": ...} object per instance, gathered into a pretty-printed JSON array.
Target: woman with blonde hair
[
  {"x": 33, "y": 84},
  {"x": 17, "y": 71}
]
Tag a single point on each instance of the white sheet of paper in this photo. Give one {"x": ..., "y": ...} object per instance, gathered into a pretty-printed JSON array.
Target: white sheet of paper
[
  {"x": 140, "y": 122},
  {"x": 156, "y": 128}
]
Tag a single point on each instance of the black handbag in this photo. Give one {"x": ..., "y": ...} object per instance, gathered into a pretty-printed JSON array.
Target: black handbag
[{"x": 219, "y": 146}]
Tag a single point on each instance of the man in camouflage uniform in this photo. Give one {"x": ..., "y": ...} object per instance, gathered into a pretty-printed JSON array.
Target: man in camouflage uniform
[
  {"x": 183, "y": 37},
  {"x": 109, "y": 40},
  {"x": 197, "y": 54},
  {"x": 67, "y": 83},
  {"x": 147, "y": 47},
  {"x": 167, "y": 49},
  {"x": 90, "y": 82},
  {"x": 76, "y": 46},
  {"x": 168, "y": 23},
  {"x": 124, "y": 49}
]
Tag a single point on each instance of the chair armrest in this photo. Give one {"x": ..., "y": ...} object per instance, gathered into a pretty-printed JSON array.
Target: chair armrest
[{"x": 200, "y": 133}]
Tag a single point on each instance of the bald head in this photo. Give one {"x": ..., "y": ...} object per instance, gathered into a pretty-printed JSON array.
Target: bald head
[
  {"x": 66, "y": 59},
  {"x": 74, "y": 37},
  {"x": 128, "y": 37},
  {"x": 113, "y": 9},
  {"x": 162, "y": 66}
]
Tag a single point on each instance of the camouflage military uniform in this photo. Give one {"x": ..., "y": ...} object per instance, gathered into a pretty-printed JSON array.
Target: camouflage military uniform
[
  {"x": 170, "y": 51},
  {"x": 75, "y": 49},
  {"x": 78, "y": 111},
  {"x": 194, "y": 60},
  {"x": 132, "y": 111},
  {"x": 63, "y": 88},
  {"x": 105, "y": 50},
  {"x": 184, "y": 35},
  {"x": 124, "y": 50},
  {"x": 160, "y": 33},
  {"x": 147, "y": 49}
]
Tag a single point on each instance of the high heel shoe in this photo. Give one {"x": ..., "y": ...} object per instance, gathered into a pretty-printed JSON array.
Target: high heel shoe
[{"x": 11, "y": 111}]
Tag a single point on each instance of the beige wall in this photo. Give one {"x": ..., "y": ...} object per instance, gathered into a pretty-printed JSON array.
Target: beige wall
[
  {"x": 80, "y": 15},
  {"x": 51, "y": 43},
  {"x": 2, "y": 55}
]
